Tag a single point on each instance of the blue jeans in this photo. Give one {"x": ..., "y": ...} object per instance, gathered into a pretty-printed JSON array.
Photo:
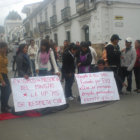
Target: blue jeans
[
  {"x": 68, "y": 84},
  {"x": 33, "y": 67},
  {"x": 44, "y": 73}
]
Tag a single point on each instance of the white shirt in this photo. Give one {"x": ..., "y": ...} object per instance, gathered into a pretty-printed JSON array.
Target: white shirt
[
  {"x": 94, "y": 55},
  {"x": 32, "y": 50}
]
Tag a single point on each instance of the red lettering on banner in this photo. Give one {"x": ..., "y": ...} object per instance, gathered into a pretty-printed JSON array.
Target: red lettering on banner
[
  {"x": 44, "y": 93},
  {"x": 39, "y": 103},
  {"x": 21, "y": 104},
  {"x": 88, "y": 93},
  {"x": 104, "y": 74},
  {"x": 56, "y": 101},
  {"x": 104, "y": 92},
  {"x": 34, "y": 94},
  {"x": 44, "y": 86},
  {"x": 55, "y": 93}
]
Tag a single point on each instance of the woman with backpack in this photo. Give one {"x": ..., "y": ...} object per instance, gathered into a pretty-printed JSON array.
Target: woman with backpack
[{"x": 45, "y": 60}]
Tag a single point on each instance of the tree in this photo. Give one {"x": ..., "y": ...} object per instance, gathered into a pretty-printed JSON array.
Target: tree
[{"x": 13, "y": 15}]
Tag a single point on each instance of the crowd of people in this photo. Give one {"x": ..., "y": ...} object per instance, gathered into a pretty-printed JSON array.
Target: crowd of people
[{"x": 32, "y": 60}]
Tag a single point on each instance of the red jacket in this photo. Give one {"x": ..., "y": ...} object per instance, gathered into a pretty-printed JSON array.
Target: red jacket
[{"x": 137, "y": 64}]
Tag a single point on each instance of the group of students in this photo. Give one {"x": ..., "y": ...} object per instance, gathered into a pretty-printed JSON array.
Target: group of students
[{"x": 32, "y": 61}]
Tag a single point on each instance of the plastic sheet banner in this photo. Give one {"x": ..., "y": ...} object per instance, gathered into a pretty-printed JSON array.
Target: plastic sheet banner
[
  {"x": 37, "y": 92},
  {"x": 97, "y": 87}
]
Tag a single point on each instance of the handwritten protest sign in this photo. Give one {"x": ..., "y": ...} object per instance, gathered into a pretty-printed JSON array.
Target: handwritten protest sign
[
  {"x": 37, "y": 92},
  {"x": 97, "y": 87}
]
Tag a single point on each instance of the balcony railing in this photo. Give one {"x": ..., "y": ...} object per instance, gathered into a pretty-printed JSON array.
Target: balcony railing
[
  {"x": 82, "y": 5},
  {"x": 53, "y": 20},
  {"x": 65, "y": 13},
  {"x": 42, "y": 27}
]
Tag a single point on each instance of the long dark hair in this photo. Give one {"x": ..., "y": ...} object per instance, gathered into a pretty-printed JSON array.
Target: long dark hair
[
  {"x": 45, "y": 43},
  {"x": 20, "y": 48}
]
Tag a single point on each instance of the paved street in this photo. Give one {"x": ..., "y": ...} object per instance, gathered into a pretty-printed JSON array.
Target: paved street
[{"x": 103, "y": 121}]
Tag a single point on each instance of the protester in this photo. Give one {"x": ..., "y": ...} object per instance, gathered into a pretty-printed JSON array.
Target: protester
[
  {"x": 84, "y": 59},
  {"x": 94, "y": 56},
  {"x": 137, "y": 66},
  {"x": 69, "y": 70},
  {"x": 77, "y": 43},
  {"x": 23, "y": 62},
  {"x": 45, "y": 60},
  {"x": 112, "y": 53},
  {"x": 32, "y": 51},
  {"x": 128, "y": 59},
  {"x": 5, "y": 84},
  {"x": 65, "y": 49},
  {"x": 102, "y": 67}
]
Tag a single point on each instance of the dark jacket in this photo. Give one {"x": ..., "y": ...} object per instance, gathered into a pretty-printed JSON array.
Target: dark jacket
[
  {"x": 113, "y": 55},
  {"x": 68, "y": 62},
  {"x": 23, "y": 65}
]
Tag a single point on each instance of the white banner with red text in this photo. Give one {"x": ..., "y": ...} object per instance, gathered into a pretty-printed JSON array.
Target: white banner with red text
[
  {"x": 37, "y": 93},
  {"x": 97, "y": 87}
]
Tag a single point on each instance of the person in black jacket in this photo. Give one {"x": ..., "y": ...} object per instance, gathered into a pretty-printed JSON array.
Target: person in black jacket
[
  {"x": 23, "y": 62},
  {"x": 68, "y": 63},
  {"x": 84, "y": 58},
  {"x": 113, "y": 53}
]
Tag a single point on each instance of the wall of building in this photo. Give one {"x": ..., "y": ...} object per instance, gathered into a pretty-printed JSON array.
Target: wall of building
[{"x": 103, "y": 20}]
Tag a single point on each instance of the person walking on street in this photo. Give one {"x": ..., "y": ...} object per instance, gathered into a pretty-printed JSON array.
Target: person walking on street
[
  {"x": 23, "y": 62},
  {"x": 5, "y": 84},
  {"x": 137, "y": 66},
  {"x": 69, "y": 69},
  {"x": 128, "y": 59},
  {"x": 32, "y": 51},
  {"x": 45, "y": 60}
]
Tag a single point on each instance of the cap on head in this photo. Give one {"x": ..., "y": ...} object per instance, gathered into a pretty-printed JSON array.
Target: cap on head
[
  {"x": 115, "y": 37},
  {"x": 129, "y": 40}
]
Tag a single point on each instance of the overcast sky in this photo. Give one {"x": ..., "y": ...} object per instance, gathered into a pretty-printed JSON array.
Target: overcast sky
[{"x": 8, "y": 5}]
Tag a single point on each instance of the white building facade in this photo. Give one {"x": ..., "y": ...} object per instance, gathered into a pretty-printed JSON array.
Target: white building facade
[{"x": 83, "y": 20}]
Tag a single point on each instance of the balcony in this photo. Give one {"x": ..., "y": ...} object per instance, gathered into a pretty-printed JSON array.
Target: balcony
[
  {"x": 65, "y": 13},
  {"x": 53, "y": 20},
  {"x": 82, "y": 5},
  {"x": 42, "y": 27}
]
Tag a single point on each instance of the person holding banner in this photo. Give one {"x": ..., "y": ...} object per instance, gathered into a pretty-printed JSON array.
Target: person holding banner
[
  {"x": 84, "y": 59},
  {"x": 69, "y": 69},
  {"x": 101, "y": 66},
  {"x": 45, "y": 60},
  {"x": 5, "y": 84},
  {"x": 23, "y": 62}
]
